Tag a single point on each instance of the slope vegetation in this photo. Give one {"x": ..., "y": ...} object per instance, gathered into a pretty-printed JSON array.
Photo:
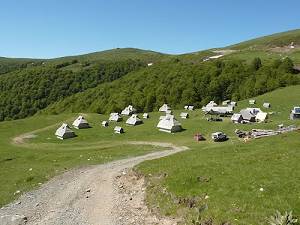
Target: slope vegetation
[{"x": 180, "y": 83}]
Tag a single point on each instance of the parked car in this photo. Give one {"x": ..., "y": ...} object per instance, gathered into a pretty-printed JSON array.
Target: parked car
[{"x": 219, "y": 136}]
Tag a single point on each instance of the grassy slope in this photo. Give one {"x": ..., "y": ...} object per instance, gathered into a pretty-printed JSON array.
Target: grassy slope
[
  {"x": 261, "y": 45},
  {"x": 237, "y": 170},
  {"x": 11, "y": 64},
  {"x": 278, "y": 39},
  {"x": 49, "y": 157}
]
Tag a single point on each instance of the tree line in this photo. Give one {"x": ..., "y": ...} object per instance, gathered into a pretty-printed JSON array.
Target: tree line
[
  {"x": 178, "y": 83},
  {"x": 25, "y": 91}
]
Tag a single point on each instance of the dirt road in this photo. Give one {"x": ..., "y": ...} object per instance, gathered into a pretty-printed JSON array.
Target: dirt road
[{"x": 90, "y": 196}]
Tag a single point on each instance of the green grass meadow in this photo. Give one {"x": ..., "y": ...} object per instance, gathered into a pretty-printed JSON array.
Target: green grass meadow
[{"x": 234, "y": 171}]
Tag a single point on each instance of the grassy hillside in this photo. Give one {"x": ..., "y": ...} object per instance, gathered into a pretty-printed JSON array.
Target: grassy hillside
[
  {"x": 275, "y": 40},
  {"x": 231, "y": 173}
]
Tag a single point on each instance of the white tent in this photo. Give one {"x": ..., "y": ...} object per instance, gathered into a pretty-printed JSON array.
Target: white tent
[
  {"x": 189, "y": 107},
  {"x": 118, "y": 130},
  {"x": 64, "y": 132},
  {"x": 104, "y": 123},
  {"x": 233, "y": 103},
  {"x": 146, "y": 115},
  {"x": 184, "y": 115},
  {"x": 169, "y": 124},
  {"x": 164, "y": 108},
  {"x": 115, "y": 117},
  {"x": 134, "y": 120},
  {"x": 237, "y": 118},
  {"x": 80, "y": 123},
  {"x": 261, "y": 117},
  {"x": 252, "y": 101},
  {"x": 129, "y": 110},
  {"x": 267, "y": 105},
  {"x": 248, "y": 115}
]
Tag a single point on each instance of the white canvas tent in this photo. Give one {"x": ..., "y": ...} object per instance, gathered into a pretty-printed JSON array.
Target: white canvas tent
[
  {"x": 267, "y": 105},
  {"x": 129, "y": 110},
  {"x": 247, "y": 115},
  {"x": 189, "y": 107},
  {"x": 169, "y": 124},
  {"x": 104, "y": 123},
  {"x": 118, "y": 130},
  {"x": 115, "y": 117},
  {"x": 261, "y": 117},
  {"x": 252, "y": 101},
  {"x": 146, "y": 116},
  {"x": 184, "y": 115},
  {"x": 237, "y": 118},
  {"x": 164, "y": 108},
  {"x": 64, "y": 132},
  {"x": 80, "y": 123},
  {"x": 134, "y": 120},
  {"x": 233, "y": 103}
]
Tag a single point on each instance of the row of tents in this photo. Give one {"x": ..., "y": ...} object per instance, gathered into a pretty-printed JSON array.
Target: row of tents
[{"x": 249, "y": 115}]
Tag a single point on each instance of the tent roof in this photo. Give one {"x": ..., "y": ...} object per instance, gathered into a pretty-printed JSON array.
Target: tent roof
[
  {"x": 168, "y": 122},
  {"x": 79, "y": 120},
  {"x": 63, "y": 129}
]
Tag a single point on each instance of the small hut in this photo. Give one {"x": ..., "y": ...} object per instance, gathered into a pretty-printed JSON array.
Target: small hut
[
  {"x": 189, "y": 107},
  {"x": 115, "y": 117},
  {"x": 237, "y": 118},
  {"x": 267, "y": 105},
  {"x": 104, "y": 123},
  {"x": 64, "y": 132},
  {"x": 233, "y": 103},
  {"x": 169, "y": 124},
  {"x": 184, "y": 115},
  {"x": 118, "y": 130},
  {"x": 128, "y": 111},
  {"x": 134, "y": 120},
  {"x": 252, "y": 102},
  {"x": 164, "y": 108},
  {"x": 146, "y": 116},
  {"x": 261, "y": 117},
  {"x": 80, "y": 123}
]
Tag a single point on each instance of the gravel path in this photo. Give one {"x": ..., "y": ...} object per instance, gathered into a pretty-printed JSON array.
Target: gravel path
[{"x": 94, "y": 195}]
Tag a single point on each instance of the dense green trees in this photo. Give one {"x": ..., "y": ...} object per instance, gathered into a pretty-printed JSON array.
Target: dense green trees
[
  {"x": 178, "y": 83},
  {"x": 26, "y": 91}
]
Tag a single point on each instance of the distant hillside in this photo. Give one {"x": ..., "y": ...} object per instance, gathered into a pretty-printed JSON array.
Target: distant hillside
[
  {"x": 271, "y": 41},
  {"x": 82, "y": 62},
  {"x": 8, "y": 65}
]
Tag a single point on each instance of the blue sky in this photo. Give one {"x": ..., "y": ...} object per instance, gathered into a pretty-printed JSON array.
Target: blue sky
[{"x": 52, "y": 28}]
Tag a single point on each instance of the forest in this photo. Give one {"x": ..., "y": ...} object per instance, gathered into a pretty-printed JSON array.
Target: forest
[
  {"x": 179, "y": 83},
  {"x": 25, "y": 91}
]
